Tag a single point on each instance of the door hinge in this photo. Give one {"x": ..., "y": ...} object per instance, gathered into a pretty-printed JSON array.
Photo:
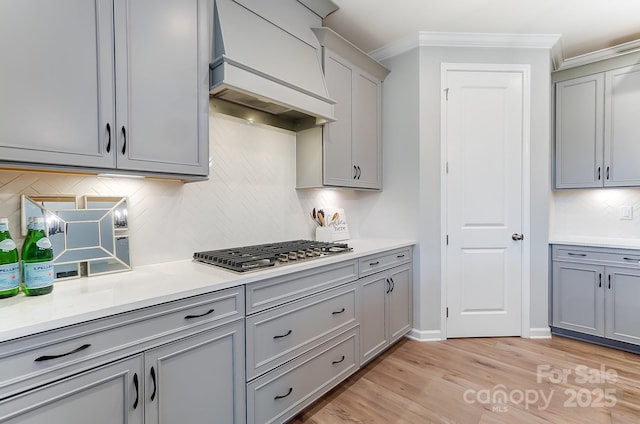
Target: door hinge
[
  {"x": 446, "y": 94},
  {"x": 447, "y": 312}
]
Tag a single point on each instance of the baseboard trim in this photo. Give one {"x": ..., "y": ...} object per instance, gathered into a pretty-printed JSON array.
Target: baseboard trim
[
  {"x": 540, "y": 333},
  {"x": 425, "y": 336}
]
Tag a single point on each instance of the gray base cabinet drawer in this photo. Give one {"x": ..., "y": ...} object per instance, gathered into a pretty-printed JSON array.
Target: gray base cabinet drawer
[
  {"x": 618, "y": 257},
  {"x": 376, "y": 263},
  {"x": 278, "y": 335},
  {"x": 278, "y": 290},
  {"x": 280, "y": 394},
  {"x": 34, "y": 360}
]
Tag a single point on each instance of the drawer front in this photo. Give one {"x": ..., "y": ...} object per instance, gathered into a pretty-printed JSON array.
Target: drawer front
[
  {"x": 376, "y": 263},
  {"x": 275, "y": 291},
  {"x": 278, "y": 335},
  {"x": 621, "y": 257},
  {"x": 279, "y": 395},
  {"x": 43, "y": 357}
]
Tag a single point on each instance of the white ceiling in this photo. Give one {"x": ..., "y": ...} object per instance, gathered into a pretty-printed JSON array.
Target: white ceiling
[{"x": 585, "y": 25}]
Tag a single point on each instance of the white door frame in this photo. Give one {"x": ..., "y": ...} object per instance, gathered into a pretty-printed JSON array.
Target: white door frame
[{"x": 525, "y": 69}]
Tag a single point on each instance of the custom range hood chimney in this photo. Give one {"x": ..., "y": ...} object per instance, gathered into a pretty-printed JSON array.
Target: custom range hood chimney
[{"x": 267, "y": 62}]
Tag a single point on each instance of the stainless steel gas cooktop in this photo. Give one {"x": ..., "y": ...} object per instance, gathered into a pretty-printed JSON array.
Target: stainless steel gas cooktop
[{"x": 250, "y": 258}]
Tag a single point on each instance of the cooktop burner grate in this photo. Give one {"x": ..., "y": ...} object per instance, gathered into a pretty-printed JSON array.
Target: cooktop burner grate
[{"x": 249, "y": 258}]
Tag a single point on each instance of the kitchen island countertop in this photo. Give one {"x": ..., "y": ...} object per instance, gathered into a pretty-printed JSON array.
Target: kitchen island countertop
[{"x": 87, "y": 298}]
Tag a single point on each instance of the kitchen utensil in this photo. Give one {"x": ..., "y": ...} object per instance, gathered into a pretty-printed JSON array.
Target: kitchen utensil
[
  {"x": 321, "y": 218},
  {"x": 334, "y": 218}
]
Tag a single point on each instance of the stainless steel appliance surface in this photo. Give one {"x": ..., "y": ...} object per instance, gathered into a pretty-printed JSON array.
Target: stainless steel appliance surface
[{"x": 250, "y": 258}]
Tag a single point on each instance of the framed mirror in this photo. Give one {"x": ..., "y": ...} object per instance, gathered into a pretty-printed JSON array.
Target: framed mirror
[{"x": 96, "y": 235}]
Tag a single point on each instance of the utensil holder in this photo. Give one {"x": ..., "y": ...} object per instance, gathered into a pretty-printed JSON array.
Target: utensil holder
[{"x": 324, "y": 233}]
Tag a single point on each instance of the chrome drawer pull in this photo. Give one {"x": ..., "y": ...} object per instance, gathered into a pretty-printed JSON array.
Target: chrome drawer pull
[
  {"x": 374, "y": 263},
  {"x": 210, "y": 311},
  {"x": 284, "y": 335},
  {"x": 49, "y": 357},
  {"x": 338, "y": 312},
  {"x": 576, "y": 254},
  {"x": 337, "y": 362},
  {"x": 284, "y": 396}
]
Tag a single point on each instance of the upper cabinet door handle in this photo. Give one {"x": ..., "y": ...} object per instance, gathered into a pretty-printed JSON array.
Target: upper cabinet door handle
[
  {"x": 598, "y": 173},
  {"x": 109, "y": 134},
  {"x": 124, "y": 139}
]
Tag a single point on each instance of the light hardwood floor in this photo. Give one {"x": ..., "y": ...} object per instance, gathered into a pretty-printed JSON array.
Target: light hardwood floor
[{"x": 460, "y": 380}]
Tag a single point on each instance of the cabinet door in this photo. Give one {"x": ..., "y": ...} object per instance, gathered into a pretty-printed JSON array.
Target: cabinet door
[
  {"x": 400, "y": 302},
  {"x": 366, "y": 143},
  {"x": 162, "y": 85},
  {"x": 621, "y": 305},
  {"x": 373, "y": 334},
  {"x": 108, "y": 395},
  {"x": 578, "y": 297},
  {"x": 622, "y": 127},
  {"x": 579, "y": 133},
  {"x": 338, "y": 168},
  {"x": 56, "y": 81},
  {"x": 197, "y": 379}
]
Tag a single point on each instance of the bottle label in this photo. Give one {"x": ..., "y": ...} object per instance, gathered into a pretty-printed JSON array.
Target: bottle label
[
  {"x": 39, "y": 274},
  {"x": 44, "y": 243},
  {"x": 7, "y": 245},
  {"x": 9, "y": 276}
]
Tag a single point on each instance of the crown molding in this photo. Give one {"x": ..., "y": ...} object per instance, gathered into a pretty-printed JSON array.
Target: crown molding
[
  {"x": 467, "y": 39},
  {"x": 598, "y": 55}
]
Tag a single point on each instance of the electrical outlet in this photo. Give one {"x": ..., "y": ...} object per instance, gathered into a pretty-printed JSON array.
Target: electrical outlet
[{"x": 626, "y": 212}]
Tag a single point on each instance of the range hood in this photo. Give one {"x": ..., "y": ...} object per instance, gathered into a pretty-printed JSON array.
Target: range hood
[{"x": 262, "y": 66}]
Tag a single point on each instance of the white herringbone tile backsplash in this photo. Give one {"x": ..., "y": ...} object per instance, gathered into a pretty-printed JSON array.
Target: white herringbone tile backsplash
[
  {"x": 250, "y": 197},
  {"x": 595, "y": 213}
]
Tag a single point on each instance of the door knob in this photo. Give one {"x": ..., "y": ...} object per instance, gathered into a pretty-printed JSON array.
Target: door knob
[{"x": 517, "y": 236}]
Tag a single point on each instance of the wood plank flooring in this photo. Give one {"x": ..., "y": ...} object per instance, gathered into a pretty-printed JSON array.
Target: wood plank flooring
[{"x": 556, "y": 380}]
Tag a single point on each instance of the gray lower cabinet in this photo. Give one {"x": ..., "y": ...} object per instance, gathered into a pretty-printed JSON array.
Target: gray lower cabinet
[
  {"x": 386, "y": 304},
  {"x": 105, "y": 395},
  {"x": 178, "y": 362},
  {"x": 87, "y": 85},
  {"x": 596, "y": 292}
]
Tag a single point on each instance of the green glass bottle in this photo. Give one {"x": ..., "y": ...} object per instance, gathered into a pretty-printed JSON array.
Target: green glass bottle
[
  {"x": 37, "y": 261},
  {"x": 9, "y": 265}
]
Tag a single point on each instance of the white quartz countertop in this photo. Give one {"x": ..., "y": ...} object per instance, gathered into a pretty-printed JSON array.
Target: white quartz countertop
[
  {"x": 87, "y": 298},
  {"x": 619, "y": 243}
]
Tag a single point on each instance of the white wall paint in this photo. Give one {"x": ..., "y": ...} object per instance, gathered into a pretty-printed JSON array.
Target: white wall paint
[
  {"x": 250, "y": 197},
  {"x": 424, "y": 134},
  {"x": 595, "y": 213}
]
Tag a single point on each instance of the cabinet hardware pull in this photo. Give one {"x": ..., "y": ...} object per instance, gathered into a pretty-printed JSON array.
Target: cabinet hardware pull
[
  {"x": 337, "y": 362},
  {"x": 210, "y": 311},
  {"x": 355, "y": 172},
  {"x": 283, "y": 335},
  {"x": 374, "y": 263},
  {"x": 135, "y": 384},
  {"x": 49, "y": 357},
  {"x": 109, "y": 133},
  {"x": 631, "y": 259},
  {"x": 155, "y": 386},
  {"x": 388, "y": 285},
  {"x": 338, "y": 312},
  {"x": 607, "y": 172},
  {"x": 284, "y": 396},
  {"x": 598, "y": 173},
  {"x": 600, "y": 280},
  {"x": 393, "y": 284},
  {"x": 400, "y": 256},
  {"x": 609, "y": 280},
  {"x": 124, "y": 137},
  {"x": 576, "y": 254},
  {"x": 359, "y": 172}
]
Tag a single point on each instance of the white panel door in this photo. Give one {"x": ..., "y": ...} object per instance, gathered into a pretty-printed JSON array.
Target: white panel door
[{"x": 484, "y": 139}]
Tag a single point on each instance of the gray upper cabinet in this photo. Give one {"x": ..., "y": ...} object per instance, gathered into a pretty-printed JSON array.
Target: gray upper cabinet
[
  {"x": 56, "y": 81},
  {"x": 579, "y": 133},
  {"x": 597, "y": 127},
  {"x": 622, "y": 127},
  {"x": 351, "y": 147},
  {"x": 105, "y": 85}
]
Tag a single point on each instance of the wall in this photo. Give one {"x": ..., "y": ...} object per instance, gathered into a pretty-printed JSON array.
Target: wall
[
  {"x": 595, "y": 213},
  {"x": 423, "y": 134},
  {"x": 250, "y": 197}
]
